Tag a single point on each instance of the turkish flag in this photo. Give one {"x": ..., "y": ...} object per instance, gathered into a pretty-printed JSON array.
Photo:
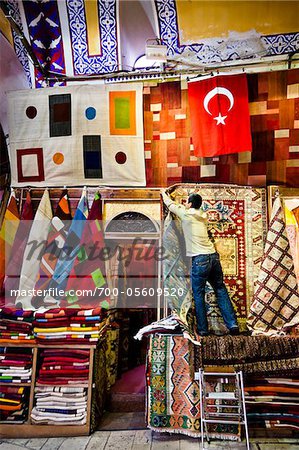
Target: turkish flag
[{"x": 219, "y": 113}]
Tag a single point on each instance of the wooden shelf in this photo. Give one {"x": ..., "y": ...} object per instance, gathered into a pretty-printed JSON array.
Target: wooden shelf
[
  {"x": 27, "y": 430},
  {"x": 11, "y": 384},
  {"x": 36, "y": 345},
  {"x": 11, "y": 343},
  {"x": 63, "y": 385}
]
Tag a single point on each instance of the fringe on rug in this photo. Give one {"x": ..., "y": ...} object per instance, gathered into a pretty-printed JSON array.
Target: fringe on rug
[{"x": 196, "y": 434}]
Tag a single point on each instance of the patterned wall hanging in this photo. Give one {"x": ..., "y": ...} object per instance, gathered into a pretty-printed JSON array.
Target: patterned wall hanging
[
  {"x": 8, "y": 231},
  {"x": 217, "y": 50},
  {"x": 14, "y": 264},
  {"x": 276, "y": 298},
  {"x": 77, "y": 135},
  {"x": 274, "y": 121},
  {"x": 237, "y": 223},
  {"x": 33, "y": 252}
]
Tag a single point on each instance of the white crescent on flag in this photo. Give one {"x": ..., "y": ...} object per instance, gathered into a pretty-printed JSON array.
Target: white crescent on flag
[{"x": 211, "y": 94}]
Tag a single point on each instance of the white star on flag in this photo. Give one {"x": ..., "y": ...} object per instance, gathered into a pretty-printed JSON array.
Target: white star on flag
[{"x": 220, "y": 119}]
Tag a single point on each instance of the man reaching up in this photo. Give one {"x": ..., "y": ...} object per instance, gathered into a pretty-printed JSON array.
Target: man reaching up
[{"x": 206, "y": 264}]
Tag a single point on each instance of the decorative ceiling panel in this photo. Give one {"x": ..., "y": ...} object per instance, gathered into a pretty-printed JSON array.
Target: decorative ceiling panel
[{"x": 85, "y": 62}]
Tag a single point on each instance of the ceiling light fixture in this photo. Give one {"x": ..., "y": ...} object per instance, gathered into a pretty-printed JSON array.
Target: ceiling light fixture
[{"x": 155, "y": 50}]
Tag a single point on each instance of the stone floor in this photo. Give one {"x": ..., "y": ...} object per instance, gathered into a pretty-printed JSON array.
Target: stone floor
[{"x": 140, "y": 440}]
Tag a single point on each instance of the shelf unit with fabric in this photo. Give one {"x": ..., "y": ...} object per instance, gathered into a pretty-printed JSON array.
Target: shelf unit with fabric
[{"x": 29, "y": 429}]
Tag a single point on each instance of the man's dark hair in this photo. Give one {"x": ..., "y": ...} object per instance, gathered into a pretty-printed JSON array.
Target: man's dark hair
[{"x": 195, "y": 200}]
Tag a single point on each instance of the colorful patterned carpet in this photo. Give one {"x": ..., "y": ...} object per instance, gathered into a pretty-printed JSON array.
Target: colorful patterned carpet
[
  {"x": 236, "y": 217},
  {"x": 173, "y": 401}
]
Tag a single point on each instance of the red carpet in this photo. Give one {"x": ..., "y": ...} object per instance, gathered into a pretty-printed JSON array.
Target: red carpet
[{"x": 132, "y": 381}]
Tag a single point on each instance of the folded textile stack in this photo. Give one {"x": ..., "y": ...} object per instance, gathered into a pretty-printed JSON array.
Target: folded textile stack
[
  {"x": 62, "y": 366},
  {"x": 15, "y": 365},
  {"x": 273, "y": 402},
  {"x": 16, "y": 325},
  {"x": 13, "y": 404},
  {"x": 59, "y": 406},
  {"x": 69, "y": 326}
]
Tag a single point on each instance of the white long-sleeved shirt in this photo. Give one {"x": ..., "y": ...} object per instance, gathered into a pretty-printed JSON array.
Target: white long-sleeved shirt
[{"x": 194, "y": 224}]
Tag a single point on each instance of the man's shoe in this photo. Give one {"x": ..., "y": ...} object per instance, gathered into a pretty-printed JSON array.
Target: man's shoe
[
  {"x": 234, "y": 331},
  {"x": 246, "y": 333},
  {"x": 203, "y": 333}
]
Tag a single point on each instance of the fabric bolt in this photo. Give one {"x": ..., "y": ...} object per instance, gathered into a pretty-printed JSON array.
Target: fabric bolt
[
  {"x": 17, "y": 314},
  {"x": 17, "y": 341},
  {"x": 54, "y": 376},
  {"x": 8, "y": 231},
  {"x": 12, "y": 390},
  {"x": 72, "y": 334},
  {"x": 58, "y": 381},
  {"x": 89, "y": 313},
  {"x": 54, "y": 313},
  {"x": 7, "y": 401},
  {"x": 74, "y": 353},
  {"x": 88, "y": 272},
  {"x": 68, "y": 253},
  {"x": 33, "y": 252},
  {"x": 276, "y": 298},
  {"x": 74, "y": 330},
  {"x": 14, "y": 368},
  {"x": 13, "y": 268},
  {"x": 48, "y": 323},
  {"x": 85, "y": 331},
  {"x": 58, "y": 231},
  {"x": 45, "y": 372},
  {"x": 59, "y": 405},
  {"x": 15, "y": 324},
  {"x": 69, "y": 341},
  {"x": 85, "y": 320},
  {"x": 63, "y": 390},
  {"x": 272, "y": 402},
  {"x": 47, "y": 366}
]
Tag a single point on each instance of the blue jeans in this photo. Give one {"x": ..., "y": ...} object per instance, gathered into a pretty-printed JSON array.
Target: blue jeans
[{"x": 208, "y": 268}]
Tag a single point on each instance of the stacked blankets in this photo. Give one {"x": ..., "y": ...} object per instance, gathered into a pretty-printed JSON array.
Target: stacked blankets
[
  {"x": 273, "y": 402},
  {"x": 13, "y": 404},
  {"x": 63, "y": 366},
  {"x": 59, "y": 406},
  {"x": 16, "y": 325},
  {"x": 69, "y": 326},
  {"x": 15, "y": 365}
]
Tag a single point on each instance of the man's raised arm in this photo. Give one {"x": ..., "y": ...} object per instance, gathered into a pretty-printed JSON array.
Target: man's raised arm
[{"x": 178, "y": 210}]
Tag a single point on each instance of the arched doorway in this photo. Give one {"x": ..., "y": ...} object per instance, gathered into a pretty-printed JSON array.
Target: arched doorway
[{"x": 135, "y": 274}]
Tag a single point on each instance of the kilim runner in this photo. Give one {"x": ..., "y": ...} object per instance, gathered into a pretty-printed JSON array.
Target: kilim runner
[
  {"x": 7, "y": 234},
  {"x": 276, "y": 297},
  {"x": 14, "y": 265},
  {"x": 56, "y": 238}
]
